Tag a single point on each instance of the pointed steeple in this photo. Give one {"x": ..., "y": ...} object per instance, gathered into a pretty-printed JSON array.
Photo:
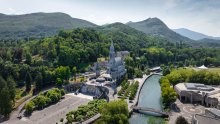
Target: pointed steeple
[
  {"x": 112, "y": 51},
  {"x": 112, "y": 47}
]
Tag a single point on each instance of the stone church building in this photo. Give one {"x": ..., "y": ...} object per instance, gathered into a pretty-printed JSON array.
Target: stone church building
[{"x": 116, "y": 65}]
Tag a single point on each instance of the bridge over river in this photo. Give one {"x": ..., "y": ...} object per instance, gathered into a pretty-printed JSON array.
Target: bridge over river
[{"x": 145, "y": 110}]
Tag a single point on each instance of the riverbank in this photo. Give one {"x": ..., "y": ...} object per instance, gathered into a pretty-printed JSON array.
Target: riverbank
[
  {"x": 148, "y": 97},
  {"x": 141, "y": 83}
]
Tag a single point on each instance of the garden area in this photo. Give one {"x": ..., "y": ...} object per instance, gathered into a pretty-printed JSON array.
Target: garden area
[
  {"x": 128, "y": 89},
  {"x": 85, "y": 112},
  {"x": 21, "y": 96},
  {"x": 44, "y": 100}
]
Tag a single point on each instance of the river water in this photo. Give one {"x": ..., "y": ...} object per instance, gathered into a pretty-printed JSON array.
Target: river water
[{"x": 150, "y": 95}]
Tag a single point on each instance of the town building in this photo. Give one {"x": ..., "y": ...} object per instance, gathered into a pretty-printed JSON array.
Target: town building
[
  {"x": 116, "y": 65},
  {"x": 156, "y": 69},
  {"x": 199, "y": 93}
]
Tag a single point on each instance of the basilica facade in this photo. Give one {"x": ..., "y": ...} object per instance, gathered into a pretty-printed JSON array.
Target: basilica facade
[{"x": 116, "y": 65}]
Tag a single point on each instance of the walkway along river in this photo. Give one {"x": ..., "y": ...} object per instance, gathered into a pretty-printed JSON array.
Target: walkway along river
[{"x": 150, "y": 97}]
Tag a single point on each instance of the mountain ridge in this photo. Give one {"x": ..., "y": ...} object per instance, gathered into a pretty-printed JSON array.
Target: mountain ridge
[
  {"x": 38, "y": 24},
  {"x": 156, "y": 27},
  {"x": 193, "y": 34}
]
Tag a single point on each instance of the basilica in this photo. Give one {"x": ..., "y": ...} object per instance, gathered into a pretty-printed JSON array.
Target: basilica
[{"x": 116, "y": 65}]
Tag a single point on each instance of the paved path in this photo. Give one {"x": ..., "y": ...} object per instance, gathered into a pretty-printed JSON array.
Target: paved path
[
  {"x": 53, "y": 113},
  {"x": 185, "y": 110}
]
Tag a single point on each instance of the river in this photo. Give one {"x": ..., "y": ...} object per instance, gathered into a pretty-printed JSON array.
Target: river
[{"x": 150, "y": 95}]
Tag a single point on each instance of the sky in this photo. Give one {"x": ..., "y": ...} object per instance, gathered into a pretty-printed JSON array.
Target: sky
[{"x": 198, "y": 15}]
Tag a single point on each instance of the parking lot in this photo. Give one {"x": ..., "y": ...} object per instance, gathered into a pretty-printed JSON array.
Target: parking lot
[{"x": 53, "y": 113}]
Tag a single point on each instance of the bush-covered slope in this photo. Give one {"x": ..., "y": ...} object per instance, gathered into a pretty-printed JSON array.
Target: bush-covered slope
[{"x": 37, "y": 25}]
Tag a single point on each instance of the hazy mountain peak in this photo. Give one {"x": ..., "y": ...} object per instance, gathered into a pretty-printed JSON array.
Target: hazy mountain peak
[
  {"x": 156, "y": 27},
  {"x": 193, "y": 34}
]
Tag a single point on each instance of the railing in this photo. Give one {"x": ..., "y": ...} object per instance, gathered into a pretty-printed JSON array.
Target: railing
[{"x": 145, "y": 109}]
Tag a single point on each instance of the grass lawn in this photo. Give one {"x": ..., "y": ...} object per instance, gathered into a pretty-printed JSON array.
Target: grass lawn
[
  {"x": 216, "y": 70},
  {"x": 21, "y": 96},
  {"x": 20, "y": 92}
]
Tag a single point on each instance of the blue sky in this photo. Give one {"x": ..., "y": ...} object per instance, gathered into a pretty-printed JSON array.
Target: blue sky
[{"x": 198, "y": 15}]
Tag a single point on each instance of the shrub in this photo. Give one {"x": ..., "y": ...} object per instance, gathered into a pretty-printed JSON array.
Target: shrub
[
  {"x": 61, "y": 119},
  {"x": 69, "y": 119},
  {"x": 29, "y": 107},
  {"x": 86, "y": 111},
  {"x": 62, "y": 92},
  {"x": 79, "y": 118},
  {"x": 181, "y": 120}
]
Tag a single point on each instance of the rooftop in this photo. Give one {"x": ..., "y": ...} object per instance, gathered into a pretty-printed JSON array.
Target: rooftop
[
  {"x": 214, "y": 111},
  {"x": 197, "y": 87},
  {"x": 206, "y": 120}
]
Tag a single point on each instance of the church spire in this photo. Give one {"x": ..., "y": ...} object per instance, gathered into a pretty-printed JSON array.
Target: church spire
[
  {"x": 112, "y": 51},
  {"x": 112, "y": 47}
]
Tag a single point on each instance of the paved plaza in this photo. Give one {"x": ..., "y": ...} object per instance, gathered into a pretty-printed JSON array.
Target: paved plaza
[
  {"x": 53, "y": 113},
  {"x": 185, "y": 110}
]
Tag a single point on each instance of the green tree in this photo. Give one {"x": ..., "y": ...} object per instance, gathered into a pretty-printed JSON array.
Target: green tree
[
  {"x": 28, "y": 59},
  {"x": 62, "y": 72},
  {"x": 115, "y": 112},
  {"x": 59, "y": 82},
  {"x": 40, "y": 101},
  {"x": 11, "y": 85},
  {"x": 69, "y": 119},
  {"x": 29, "y": 107},
  {"x": 62, "y": 91},
  {"x": 5, "y": 104},
  {"x": 54, "y": 95},
  {"x": 181, "y": 120},
  {"x": 28, "y": 80},
  {"x": 39, "y": 81},
  {"x": 74, "y": 71}
]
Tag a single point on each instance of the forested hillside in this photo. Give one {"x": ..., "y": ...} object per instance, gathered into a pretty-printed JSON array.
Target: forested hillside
[
  {"x": 37, "y": 25},
  {"x": 51, "y": 61}
]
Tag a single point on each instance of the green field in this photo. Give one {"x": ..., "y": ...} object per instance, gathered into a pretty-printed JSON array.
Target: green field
[{"x": 216, "y": 70}]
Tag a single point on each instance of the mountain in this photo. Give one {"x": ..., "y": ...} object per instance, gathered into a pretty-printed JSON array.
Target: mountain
[
  {"x": 210, "y": 42},
  {"x": 37, "y": 25},
  {"x": 193, "y": 35},
  {"x": 128, "y": 37},
  {"x": 155, "y": 27}
]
